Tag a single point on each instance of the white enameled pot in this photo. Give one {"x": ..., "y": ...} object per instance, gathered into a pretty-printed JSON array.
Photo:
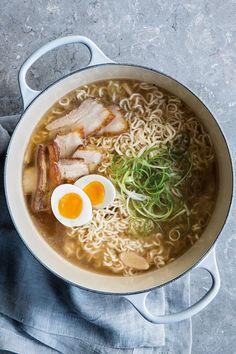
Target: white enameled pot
[{"x": 136, "y": 288}]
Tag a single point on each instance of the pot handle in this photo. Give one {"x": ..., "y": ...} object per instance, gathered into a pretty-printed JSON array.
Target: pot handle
[
  {"x": 208, "y": 263},
  {"x": 96, "y": 57}
]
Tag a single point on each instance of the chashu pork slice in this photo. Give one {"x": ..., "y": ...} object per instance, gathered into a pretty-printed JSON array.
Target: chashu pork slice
[
  {"x": 71, "y": 169},
  {"x": 117, "y": 126},
  {"x": 91, "y": 155},
  {"x": 64, "y": 123},
  {"x": 68, "y": 143},
  {"x": 89, "y": 118},
  {"x": 53, "y": 172},
  {"x": 39, "y": 201}
]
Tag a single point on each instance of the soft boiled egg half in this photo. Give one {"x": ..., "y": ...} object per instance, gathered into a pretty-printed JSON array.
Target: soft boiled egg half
[
  {"x": 71, "y": 205},
  {"x": 99, "y": 189}
]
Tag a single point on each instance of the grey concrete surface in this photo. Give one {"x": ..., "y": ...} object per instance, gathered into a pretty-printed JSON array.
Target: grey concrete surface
[{"x": 193, "y": 41}]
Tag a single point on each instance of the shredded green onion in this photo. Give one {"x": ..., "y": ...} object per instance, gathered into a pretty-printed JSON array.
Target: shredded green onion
[{"x": 145, "y": 182}]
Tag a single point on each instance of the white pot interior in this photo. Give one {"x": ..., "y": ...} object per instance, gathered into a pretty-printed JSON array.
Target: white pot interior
[{"x": 39, "y": 247}]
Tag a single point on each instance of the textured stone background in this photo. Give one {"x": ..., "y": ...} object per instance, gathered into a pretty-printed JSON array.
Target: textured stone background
[{"x": 193, "y": 41}]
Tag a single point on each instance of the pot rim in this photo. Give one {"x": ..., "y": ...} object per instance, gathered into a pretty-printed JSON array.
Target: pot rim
[{"x": 231, "y": 175}]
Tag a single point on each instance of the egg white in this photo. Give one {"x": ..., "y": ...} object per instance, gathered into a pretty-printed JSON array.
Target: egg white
[
  {"x": 110, "y": 191},
  {"x": 86, "y": 213}
]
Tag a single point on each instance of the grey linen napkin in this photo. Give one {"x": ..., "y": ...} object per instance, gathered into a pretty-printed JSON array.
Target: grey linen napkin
[{"x": 40, "y": 313}]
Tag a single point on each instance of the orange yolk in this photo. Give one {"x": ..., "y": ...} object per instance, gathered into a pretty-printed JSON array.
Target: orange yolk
[
  {"x": 70, "y": 205},
  {"x": 95, "y": 191}
]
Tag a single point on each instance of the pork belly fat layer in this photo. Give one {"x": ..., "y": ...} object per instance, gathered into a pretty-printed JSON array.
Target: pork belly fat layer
[
  {"x": 71, "y": 169},
  {"x": 68, "y": 143},
  {"x": 65, "y": 121},
  {"x": 90, "y": 155},
  {"x": 117, "y": 126}
]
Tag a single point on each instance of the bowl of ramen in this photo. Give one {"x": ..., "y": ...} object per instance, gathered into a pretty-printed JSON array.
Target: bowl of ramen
[{"x": 118, "y": 179}]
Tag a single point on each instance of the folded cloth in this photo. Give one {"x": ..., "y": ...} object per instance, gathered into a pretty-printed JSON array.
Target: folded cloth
[{"x": 40, "y": 313}]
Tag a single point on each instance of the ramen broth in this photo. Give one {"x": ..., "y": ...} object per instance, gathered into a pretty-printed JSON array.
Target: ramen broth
[{"x": 163, "y": 168}]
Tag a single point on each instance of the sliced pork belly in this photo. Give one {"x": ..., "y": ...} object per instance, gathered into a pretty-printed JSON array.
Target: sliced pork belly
[
  {"x": 54, "y": 175},
  {"x": 89, "y": 118},
  {"x": 53, "y": 152},
  {"x": 65, "y": 122},
  {"x": 93, "y": 116},
  {"x": 92, "y": 156},
  {"x": 117, "y": 126},
  {"x": 71, "y": 169},
  {"x": 68, "y": 143},
  {"x": 53, "y": 171},
  {"x": 40, "y": 202}
]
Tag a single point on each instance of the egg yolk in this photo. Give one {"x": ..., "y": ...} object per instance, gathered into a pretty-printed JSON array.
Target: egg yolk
[
  {"x": 70, "y": 205},
  {"x": 95, "y": 191}
]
